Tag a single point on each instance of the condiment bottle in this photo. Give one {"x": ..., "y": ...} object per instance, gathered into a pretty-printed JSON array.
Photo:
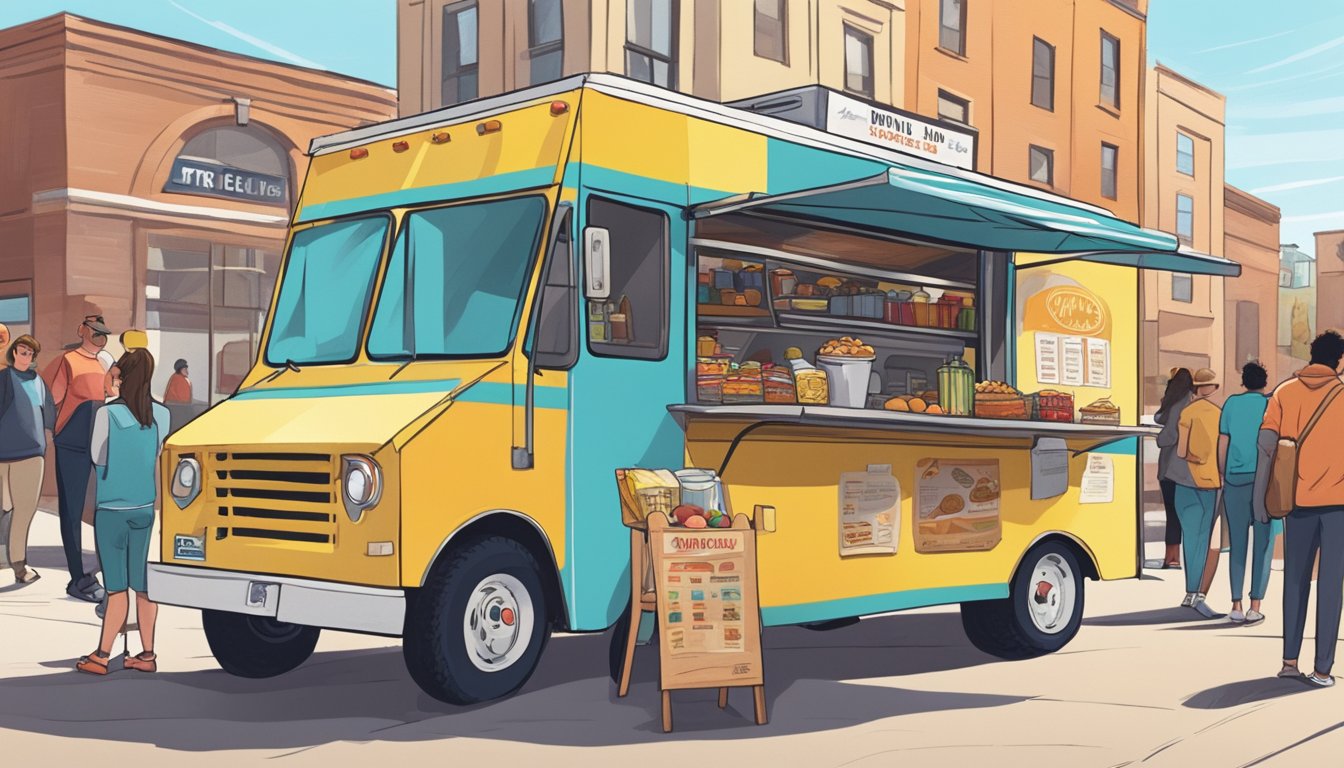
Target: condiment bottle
[{"x": 597, "y": 322}]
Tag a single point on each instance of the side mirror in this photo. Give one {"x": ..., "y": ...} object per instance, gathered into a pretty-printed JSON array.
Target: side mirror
[{"x": 597, "y": 263}]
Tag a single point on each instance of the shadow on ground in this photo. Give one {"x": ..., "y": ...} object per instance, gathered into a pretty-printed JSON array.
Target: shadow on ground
[
  {"x": 570, "y": 701},
  {"x": 1247, "y": 692},
  {"x": 1174, "y": 615}
]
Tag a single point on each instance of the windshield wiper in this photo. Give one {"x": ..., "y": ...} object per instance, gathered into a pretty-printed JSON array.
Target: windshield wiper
[
  {"x": 290, "y": 365},
  {"x": 401, "y": 367}
]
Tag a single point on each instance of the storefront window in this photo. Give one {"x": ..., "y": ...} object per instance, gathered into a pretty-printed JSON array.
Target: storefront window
[
  {"x": 16, "y": 310},
  {"x": 206, "y": 304}
]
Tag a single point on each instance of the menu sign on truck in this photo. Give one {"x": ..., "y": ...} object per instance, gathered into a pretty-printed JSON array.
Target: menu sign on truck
[
  {"x": 957, "y": 505},
  {"x": 870, "y": 512},
  {"x": 899, "y": 131}
]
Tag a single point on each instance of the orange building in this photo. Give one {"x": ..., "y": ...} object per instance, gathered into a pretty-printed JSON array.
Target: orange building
[
  {"x": 1251, "y": 238},
  {"x": 1330, "y": 276},
  {"x": 1183, "y": 314},
  {"x": 1056, "y": 93}
]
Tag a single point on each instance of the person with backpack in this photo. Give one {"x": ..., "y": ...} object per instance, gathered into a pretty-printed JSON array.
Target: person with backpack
[
  {"x": 1239, "y": 431},
  {"x": 1306, "y": 474},
  {"x": 1197, "y": 490},
  {"x": 128, "y": 434}
]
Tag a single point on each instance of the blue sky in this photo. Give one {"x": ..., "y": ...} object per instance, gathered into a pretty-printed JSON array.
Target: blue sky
[{"x": 1281, "y": 67}]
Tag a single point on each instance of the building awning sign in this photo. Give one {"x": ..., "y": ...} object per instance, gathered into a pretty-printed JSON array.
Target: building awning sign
[{"x": 210, "y": 178}]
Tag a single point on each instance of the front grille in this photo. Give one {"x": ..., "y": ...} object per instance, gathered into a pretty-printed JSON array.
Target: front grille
[{"x": 280, "y": 497}]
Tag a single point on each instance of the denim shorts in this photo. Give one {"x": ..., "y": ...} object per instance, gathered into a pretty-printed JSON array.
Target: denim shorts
[{"x": 122, "y": 537}]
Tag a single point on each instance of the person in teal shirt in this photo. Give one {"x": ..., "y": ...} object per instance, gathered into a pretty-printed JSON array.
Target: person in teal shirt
[{"x": 1239, "y": 428}]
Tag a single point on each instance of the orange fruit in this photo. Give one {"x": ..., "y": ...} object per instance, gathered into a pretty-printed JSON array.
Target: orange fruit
[
  {"x": 917, "y": 405},
  {"x": 935, "y": 409}
]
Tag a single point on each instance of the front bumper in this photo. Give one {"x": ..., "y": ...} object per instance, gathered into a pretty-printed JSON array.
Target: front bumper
[{"x": 297, "y": 601}]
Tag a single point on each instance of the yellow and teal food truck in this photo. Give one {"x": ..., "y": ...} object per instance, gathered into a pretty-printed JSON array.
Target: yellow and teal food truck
[{"x": 931, "y": 375}]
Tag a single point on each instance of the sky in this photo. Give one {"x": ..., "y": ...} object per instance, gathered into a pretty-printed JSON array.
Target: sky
[{"x": 1280, "y": 65}]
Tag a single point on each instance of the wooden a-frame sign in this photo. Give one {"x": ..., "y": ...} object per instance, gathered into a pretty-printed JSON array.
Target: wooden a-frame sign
[{"x": 709, "y": 616}]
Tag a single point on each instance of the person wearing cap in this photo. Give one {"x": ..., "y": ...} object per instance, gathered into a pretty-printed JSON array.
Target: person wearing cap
[
  {"x": 1196, "y": 502},
  {"x": 178, "y": 390},
  {"x": 79, "y": 383}
]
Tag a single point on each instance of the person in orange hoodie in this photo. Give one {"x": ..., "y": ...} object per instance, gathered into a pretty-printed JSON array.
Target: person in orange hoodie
[{"x": 1316, "y": 523}]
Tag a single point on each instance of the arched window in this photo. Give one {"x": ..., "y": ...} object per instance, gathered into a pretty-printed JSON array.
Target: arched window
[{"x": 233, "y": 162}]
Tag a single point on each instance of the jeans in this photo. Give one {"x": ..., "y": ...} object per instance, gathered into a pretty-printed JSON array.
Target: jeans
[
  {"x": 1195, "y": 507},
  {"x": 1173, "y": 532},
  {"x": 1309, "y": 530},
  {"x": 1237, "y": 500}
]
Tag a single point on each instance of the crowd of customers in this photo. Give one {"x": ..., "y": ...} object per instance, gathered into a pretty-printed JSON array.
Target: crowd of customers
[{"x": 99, "y": 415}]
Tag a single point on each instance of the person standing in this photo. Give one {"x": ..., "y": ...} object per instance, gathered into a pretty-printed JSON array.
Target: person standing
[
  {"x": 178, "y": 390},
  {"x": 1197, "y": 499},
  {"x": 1316, "y": 523},
  {"x": 1180, "y": 387},
  {"x": 128, "y": 435},
  {"x": 1239, "y": 430},
  {"x": 78, "y": 385},
  {"x": 26, "y": 413}
]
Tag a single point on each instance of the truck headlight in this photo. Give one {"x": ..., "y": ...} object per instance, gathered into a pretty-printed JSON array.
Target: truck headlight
[
  {"x": 186, "y": 484},
  {"x": 361, "y": 484}
]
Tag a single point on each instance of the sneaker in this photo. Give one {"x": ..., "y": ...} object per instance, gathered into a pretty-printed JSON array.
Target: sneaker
[
  {"x": 87, "y": 589},
  {"x": 1189, "y": 600},
  {"x": 1203, "y": 609},
  {"x": 100, "y": 610},
  {"x": 1254, "y": 617},
  {"x": 1320, "y": 682},
  {"x": 1290, "y": 671},
  {"x": 1236, "y": 617}
]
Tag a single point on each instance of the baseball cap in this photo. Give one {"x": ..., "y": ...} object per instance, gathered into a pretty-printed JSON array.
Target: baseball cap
[{"x": 96, "y": 324}]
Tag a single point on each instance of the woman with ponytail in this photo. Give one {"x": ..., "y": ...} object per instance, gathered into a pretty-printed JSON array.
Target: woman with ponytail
[{"x": 128, "y": 434}]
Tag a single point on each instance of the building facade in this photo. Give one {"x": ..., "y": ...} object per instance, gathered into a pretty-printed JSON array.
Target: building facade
[
  {"x": 1330, "y": 277},
  {"x": 1298, "y": 323},
  {"x": 1183, "y": 314},
  {"x": 1056, "y": 94},
  {"x": 151, "y": 181},
  {"x": 1250, "y": 302},
  {"x": 451, "y": 51}
]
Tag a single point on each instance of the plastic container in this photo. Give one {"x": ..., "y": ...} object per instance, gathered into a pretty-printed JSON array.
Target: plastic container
[
  {"x": 868, "y": 305},
  {"x": 812, "y": 385},
  {"x": 841, "y": 306},
  {"x": 847, "y": 378},
  {"x": 723, "y": 279},
  {"x": 701, "y": 487}
]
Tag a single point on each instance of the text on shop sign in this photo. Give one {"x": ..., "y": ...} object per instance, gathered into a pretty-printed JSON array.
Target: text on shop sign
[{"x": 194, "y": 176}]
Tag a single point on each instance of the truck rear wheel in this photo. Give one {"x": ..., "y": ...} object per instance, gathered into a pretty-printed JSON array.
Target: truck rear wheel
[
  {"x": 1042, "y": 612},
  {"x": 476, "y": 630},
  {"x": 256, "y": 646}
]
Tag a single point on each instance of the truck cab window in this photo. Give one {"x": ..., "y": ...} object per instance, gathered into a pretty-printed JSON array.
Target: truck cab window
[
  {"x": 557, "y": 324},
  {"x": 633, "y": 321},
  {"x": 456, "y": 279}
]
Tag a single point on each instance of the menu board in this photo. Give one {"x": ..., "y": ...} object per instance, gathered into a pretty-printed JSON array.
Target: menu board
[
  {"x": 870, "y": 512},
  {"x": 957, "y": 505},
  {"x": 1072, "y": 360},
  {"x": 708, "y": 610},
  {"x": 1098, "y": 484}
]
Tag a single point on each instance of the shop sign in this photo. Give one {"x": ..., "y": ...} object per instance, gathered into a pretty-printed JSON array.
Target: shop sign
[
  {"x": 900, "y": 131},
  {"x": 1068, "y": 309},
  {"x": 198, "y": 176}
]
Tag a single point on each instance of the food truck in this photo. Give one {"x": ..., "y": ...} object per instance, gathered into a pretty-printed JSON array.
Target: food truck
[{"x": 929, "y": 374}]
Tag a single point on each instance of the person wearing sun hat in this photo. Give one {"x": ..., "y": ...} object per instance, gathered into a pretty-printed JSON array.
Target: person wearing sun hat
[{"x": 1196, "y": 503}]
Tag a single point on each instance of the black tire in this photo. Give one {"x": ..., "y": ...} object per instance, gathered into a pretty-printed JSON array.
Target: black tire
[
  {"x": 257, "y": 646},
  {"x": 620, "y": 631},
  {"x": 1005, "y": 628},
  {"x": 435, "y": 648}
]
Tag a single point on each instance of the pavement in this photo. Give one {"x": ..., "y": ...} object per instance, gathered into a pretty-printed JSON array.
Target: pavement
[{"x": 1144, "y": 683}]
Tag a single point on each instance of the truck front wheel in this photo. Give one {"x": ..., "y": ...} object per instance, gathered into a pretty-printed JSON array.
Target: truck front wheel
[
  {"x": 256, "y": 646},
  {"x": 1042, "y": 612},
  {"x": 476, "y": 629}
]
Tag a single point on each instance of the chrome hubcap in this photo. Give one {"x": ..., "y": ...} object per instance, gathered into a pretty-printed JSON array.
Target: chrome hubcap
[
  {"x": 498, "y": 622},
  {"x": 1051, "y": 595}
]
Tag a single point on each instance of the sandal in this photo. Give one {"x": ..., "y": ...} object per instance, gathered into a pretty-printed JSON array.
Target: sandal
[
  {"x": 92, "y": 665},
  {"x": 144, "y": 661},
  {"x": 26, "y": 576}
]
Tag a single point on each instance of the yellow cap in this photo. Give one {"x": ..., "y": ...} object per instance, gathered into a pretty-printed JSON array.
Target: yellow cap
[{"x": 793, "y": 353}]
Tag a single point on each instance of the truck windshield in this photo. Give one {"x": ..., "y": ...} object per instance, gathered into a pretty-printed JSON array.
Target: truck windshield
[
  {"x": 324, "y": 295},
  {"x": 467, "y": 268}
]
